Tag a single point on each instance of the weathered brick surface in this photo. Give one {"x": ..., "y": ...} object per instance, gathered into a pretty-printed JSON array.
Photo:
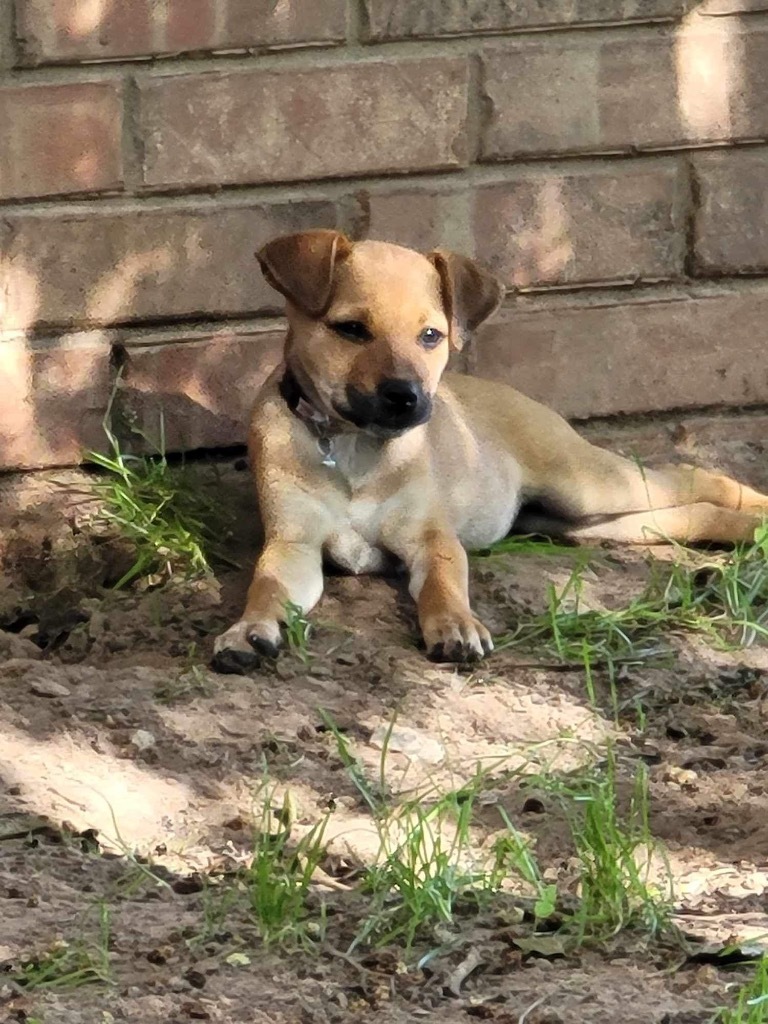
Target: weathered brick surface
[
  {"x": 617, "y": 83},
  {"x": 58, "y": 139},
  {"x": 402, "y": 19},
  {"x": 588, "y": 359},
  {"x": 240, "y": 127},
  {"x": 7, "y": 47},
  {"x": 572, "y": 224},
  {"x": 80, "y": 30},
  {"x": 54, "y": 396},
  {"x": 653, "y": 89},
  {"x": 421, "y": 218},
  {"x": 203, "y": 384},
  {"x": 731, "y": 232},
  {"x": 142, "y": 263},
  {"x": 584, "y": 223}
]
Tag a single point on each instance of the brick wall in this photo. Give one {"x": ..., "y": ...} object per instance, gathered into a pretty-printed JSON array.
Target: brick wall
[{"x": 608, "y": 158}]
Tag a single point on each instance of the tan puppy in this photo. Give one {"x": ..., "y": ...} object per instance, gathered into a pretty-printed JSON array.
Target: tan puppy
[{"x": 363, "y": 448}]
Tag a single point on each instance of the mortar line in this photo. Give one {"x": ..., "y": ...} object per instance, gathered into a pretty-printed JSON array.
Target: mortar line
[
  {"x": 355, "y": 23},
  {"x": 446, "y": 181},
  {"x": 132, "y": 137},
  {"x": 693, "y": 203},
  {"x": 329, "y": 53},
  {"x": 9, "y": 43},
  {"x": 576, "y": 298}
]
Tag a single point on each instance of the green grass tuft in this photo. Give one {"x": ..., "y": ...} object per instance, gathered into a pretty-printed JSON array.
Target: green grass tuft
[
  {"x": 533, "y": 544},
  {"x": 172, "y": 523},
  {"x": 70, "y": 965},
  {"x": 277, "y": 880},
  {"x": 723, "y": 598},
  {"x": 752, "y": 1000},
  {"x": 297, "y": 631},
  {"x": 425, "y": 867},
  {"x": 617, "y": 890}
]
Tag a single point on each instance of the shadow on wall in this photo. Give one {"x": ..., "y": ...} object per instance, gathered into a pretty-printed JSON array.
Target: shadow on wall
[{"x": 59, "y": 386}]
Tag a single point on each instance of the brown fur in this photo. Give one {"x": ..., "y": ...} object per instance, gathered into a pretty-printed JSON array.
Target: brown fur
[{"x": 453, "y": 482}]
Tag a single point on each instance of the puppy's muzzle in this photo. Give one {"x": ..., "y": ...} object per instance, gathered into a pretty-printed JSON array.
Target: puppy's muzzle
[{"x": 395, "y": 406}]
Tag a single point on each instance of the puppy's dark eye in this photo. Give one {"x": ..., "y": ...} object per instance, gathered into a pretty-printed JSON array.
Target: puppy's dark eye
[
  {"x": 352, "y": 329},
  {"x": 430, "y": 337}
]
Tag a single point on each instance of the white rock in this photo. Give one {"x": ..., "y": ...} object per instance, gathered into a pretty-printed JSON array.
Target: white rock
[{"x": 142, "y": 740}]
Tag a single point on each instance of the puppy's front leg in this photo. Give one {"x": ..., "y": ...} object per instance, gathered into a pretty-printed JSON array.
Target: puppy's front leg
[
  {"x": 439, "y": 583},
  {"x": 286, "y": 573}
]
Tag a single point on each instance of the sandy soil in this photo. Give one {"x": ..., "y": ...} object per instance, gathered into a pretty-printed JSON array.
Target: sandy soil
[{"x": 117, "y": 743}]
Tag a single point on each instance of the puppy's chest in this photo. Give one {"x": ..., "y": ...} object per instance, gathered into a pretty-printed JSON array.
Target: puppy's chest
[
  {"x": 353, "y": 545},
  {"x": 361, "y": 510}
]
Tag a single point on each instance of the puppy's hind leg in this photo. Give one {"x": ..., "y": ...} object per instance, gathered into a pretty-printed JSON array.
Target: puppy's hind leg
[
  {"x": 602, "y": 495},
  {"x": 687, "y": 524}
]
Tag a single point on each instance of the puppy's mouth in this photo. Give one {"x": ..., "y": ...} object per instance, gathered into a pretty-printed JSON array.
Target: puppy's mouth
[{"x": 395, "y": 407}]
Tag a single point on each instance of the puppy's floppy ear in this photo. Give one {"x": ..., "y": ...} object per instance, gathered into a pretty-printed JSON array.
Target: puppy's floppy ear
[
  {"x": 470, "y": 293},
  {"x": 301, "y": 267}
]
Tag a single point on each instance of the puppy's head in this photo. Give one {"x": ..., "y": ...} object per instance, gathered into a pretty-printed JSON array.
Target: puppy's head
[{"x": 371, "y": 324}]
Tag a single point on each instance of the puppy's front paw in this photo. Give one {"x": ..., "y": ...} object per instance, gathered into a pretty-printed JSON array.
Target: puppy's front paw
[
  {"x": 456, "y": 636},
  {"x": 243, "y": 646}
]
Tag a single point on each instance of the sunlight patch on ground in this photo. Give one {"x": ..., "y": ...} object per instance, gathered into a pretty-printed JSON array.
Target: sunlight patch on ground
[{"x": 64, "y": 779}]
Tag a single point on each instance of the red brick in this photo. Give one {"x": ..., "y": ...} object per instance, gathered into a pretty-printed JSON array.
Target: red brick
[
  {"x": 203, "y": 384},
  {"x": 54, "y": 31},
  {"x": 143, "y": 263},
  {"x": 654, "y": 89},
  {"x": 264, "y": 22},
  {"x": 583, "y": 223},
  {"x": 258, "y": 126},
  {"x": 71, "y": 30},
  {"x": 731, "y": 227},
  {"x": 55, "y": 394},
  {"x": 403, "y": 19},
  {"x": 59, "y": 139},
  {"x": 571, "y": 224},
  {"x": 190, "y": 25},
  {"x": 421, "y": 218},
  {"x": 600, "y": 358}
]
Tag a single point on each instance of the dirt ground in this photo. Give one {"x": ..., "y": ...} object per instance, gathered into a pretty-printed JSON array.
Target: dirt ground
[{"x": 117, "y": 743}]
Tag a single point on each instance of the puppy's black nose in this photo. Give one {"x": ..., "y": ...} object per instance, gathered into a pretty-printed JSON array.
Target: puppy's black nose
[{"x": 399, "y": 396}]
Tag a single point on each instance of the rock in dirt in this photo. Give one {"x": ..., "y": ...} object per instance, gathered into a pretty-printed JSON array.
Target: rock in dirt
[
  {"x": 44, "y": 687},
  {"x": 142, "y": 740},
  {"x": 415, "y": 744},
  {"x": 14, "y": 646}
]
